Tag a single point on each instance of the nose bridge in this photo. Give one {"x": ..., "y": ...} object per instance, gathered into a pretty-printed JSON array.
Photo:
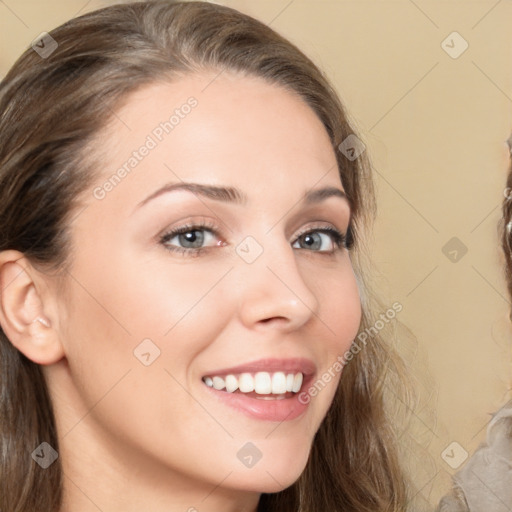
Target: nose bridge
[{"x": 272, "y": 284}]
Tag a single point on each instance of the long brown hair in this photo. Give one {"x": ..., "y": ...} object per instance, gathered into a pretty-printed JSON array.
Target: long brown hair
[
  {"x": 51, "y": 108},
  {"x": 505, "y": 224}
]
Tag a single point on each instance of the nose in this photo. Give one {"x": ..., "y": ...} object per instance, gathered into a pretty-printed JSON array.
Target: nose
[{"x": 273, "y": 292}]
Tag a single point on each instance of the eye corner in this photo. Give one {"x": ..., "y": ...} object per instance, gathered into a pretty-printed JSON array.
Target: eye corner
[{"x": 349, "y": 238}]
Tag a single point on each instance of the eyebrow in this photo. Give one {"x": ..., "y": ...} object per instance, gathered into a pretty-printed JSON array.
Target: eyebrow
[{"x": 236, "y": 196}]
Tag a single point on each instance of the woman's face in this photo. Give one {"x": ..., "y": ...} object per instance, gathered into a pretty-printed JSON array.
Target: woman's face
[{"x": 217, "y": 250}]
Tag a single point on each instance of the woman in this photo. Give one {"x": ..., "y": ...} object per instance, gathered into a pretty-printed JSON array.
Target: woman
[{"x": 183, "y": 215}]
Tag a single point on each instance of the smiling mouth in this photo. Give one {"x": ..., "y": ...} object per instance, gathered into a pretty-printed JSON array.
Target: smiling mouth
[{"x": 259, "y": 385}]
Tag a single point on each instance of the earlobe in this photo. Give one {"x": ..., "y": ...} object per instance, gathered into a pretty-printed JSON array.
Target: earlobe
[{"x": 22, "y": 312}]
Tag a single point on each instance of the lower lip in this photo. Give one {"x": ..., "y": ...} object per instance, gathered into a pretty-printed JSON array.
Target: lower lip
[{"x": 285, "y": 409}]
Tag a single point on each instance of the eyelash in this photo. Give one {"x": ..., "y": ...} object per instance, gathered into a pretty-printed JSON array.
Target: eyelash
[{"x": 340, "y": 240}]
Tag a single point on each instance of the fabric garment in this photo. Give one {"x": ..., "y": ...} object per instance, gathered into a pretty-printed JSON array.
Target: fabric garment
[{"x": 484, "y": 484}]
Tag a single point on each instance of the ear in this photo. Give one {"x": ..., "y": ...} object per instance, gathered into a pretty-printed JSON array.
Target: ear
[{"x": 22, "y": 310}]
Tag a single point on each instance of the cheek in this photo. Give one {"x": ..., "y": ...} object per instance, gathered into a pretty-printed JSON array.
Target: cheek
[
  {"x": 98, "y": 342},
  {"x": 339, "y": 321},
  {"x": 116, "y": 316},
  {"x": 161, "y": 296},
  {"x": 340, "y": 309}
]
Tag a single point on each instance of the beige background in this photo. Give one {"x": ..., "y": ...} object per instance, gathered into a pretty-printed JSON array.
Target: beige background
[{"x": 435, "y": 128}]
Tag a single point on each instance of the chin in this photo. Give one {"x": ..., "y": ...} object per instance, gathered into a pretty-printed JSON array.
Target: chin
[{"x": 274, "y": 474}]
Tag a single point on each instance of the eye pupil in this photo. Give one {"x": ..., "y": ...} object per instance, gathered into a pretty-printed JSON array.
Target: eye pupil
[
  {"x": 312, "y": 240},
  {"x": 192, "y": 238}
]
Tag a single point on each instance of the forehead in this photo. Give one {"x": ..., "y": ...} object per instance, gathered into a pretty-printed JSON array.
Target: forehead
[{"x": 226, "y": 129}]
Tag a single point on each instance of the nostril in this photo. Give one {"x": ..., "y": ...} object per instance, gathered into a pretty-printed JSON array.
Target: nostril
[{"x": 279, "y": 319}]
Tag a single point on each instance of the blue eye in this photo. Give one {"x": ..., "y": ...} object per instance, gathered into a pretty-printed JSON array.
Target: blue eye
[
  {"x": 190, "y": 239},
  {"x": 321, "y": 240}
]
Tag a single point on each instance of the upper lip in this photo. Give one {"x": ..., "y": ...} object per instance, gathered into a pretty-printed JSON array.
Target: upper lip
[{"x": 295, "y": 365}]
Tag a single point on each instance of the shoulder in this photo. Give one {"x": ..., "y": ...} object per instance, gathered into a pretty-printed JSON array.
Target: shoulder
[{"x": 484, "y": 483}]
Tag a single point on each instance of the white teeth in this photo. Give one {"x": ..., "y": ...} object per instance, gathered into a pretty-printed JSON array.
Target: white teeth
[
  {"x": 289, "y": 381},
  {"x": 231, "y": 383},
  {"x": 218, "y": 383},
  {"x": 246, "y": 383},
  {"x": 279, "y": 383},
  {"x": 297, "y": 382},
  {"x": 263, "y": 383}
]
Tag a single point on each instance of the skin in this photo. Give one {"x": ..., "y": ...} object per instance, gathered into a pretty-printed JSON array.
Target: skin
[{"x": 136, "y": 437}]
